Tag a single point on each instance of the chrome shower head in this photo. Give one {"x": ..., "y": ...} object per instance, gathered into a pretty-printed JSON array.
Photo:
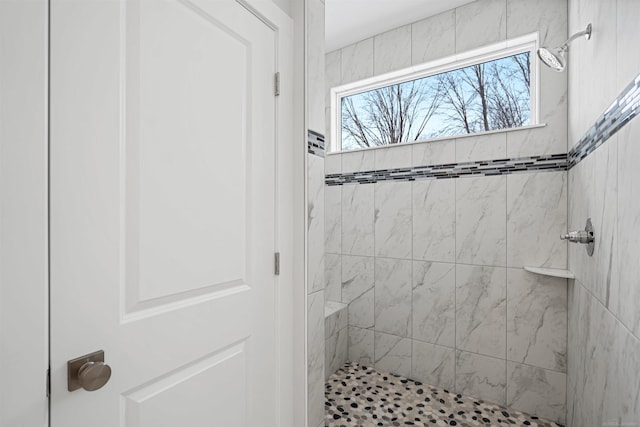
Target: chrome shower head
[{"x": 554, "y": 58}]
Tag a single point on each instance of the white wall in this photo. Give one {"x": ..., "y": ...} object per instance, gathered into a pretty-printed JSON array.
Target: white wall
[
  {"x": 604, "y": 302},
  {"x": 23, "y": 213},
  {"x": 432, "y": 270}
]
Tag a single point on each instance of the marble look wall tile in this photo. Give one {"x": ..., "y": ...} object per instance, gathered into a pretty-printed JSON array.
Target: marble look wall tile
[
  {"x": 433, "y": 38},
  {"x": 332, "y": 164},
  {"x": 357, "y": 219},
  {"x": 335, "y": 317},
  {"x": 433, "y": 364},
  {"x": 315, "y": 223},
  {"x": 357, "y": 61},
  {"x": 595, "y": 59},
  {"x": 361, "y": 346},
  {"x": 315, "y": 358},
  {"x": 579, "y": 321},
  {"x": 621, "y": 404},
  {"x": 333, "y": 277},
  {"x": 480, "y": 23},
  {"x": 625, "y": 293},
  {"x": 481, "y": 376},
  {"x": 393, "y": 296},
  {"x": 333, "y": 74},
  {"x": 393, "y": 354},
  {"x": 628, "y": 37},
  {"x": 549, "y": 17},
  {"x": 316, "y": 67},
  {"x": 536, "y": 320},
  {"x": 393, "y": 219},
  {"x": 336, "y": 352},
  {"x": 593, "y": 186},
  {"x": 434, "y": 294},
  {"x": 358, "y": 161},
  {"x": 536, "y": 391},
  {"x": 481, "y": 147},
  {"x": 434, "y": 153},
  {"x": 481, "y": 310},
  {"x": 361, "y": 310},
  {"x": 397, "y": 156},
  {"x": 480, "y": 220},
  {"x": 434, "y": 204},
  {"x": 357, "y": 276},
  {"x": 536, "y": 217},
  {"x": 333, "y": 219},
  {"x": 392, "y": 50}
]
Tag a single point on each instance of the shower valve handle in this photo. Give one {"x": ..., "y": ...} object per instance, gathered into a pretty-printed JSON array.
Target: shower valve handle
[{"x": 581, "y": 236}]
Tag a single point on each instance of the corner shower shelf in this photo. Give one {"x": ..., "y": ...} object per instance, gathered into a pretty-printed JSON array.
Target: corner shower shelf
[{"x": 553, "y": 272}]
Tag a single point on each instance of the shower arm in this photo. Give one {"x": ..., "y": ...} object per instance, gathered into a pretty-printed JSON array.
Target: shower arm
[{"x": 586, "y": 32}]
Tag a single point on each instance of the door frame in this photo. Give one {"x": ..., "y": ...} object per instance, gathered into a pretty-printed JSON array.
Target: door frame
[{"x": 24, "y": 201}]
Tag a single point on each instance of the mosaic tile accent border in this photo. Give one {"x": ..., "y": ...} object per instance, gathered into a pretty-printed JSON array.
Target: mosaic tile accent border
[
  {"x": 550, "y": 163},
  {"x": 625, "y": 107},
  {"x": 315, "y": 143}
]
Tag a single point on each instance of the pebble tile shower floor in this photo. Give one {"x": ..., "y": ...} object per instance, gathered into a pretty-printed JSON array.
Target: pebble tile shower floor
[{"x": 359, "y": 396}]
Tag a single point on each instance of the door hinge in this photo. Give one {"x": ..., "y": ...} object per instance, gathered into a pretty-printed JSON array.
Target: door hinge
[
  {"x": 48, "y": 382},
  {"x": 277, "y": 264},
  {"x": 276, "y": 84}
]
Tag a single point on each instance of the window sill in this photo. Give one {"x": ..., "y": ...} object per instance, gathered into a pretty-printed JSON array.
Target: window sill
[{"x": 444, "y": 138}]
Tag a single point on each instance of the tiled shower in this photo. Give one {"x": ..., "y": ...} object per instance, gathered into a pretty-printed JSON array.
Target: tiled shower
[{"x": 423, "y": 267}]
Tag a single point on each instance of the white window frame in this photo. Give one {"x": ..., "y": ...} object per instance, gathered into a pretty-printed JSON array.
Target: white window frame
[{"x": 527, "y": 43}]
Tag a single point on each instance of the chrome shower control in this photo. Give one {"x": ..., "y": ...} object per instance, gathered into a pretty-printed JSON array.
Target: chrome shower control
[{"x": 582, "y": 236}]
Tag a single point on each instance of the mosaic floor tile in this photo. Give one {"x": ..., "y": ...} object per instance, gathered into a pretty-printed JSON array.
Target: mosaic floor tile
[{"x": 359, "y": 396}]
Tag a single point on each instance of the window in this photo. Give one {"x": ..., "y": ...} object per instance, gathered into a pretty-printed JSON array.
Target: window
[{"x": 489, "y": 89}]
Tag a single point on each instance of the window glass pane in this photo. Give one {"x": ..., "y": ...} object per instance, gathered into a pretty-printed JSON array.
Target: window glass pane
[{"x": 483, "y": 97}]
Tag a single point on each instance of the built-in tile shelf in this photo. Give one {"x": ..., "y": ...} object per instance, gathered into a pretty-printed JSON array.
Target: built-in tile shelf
[{"x": 553, "y": 272}]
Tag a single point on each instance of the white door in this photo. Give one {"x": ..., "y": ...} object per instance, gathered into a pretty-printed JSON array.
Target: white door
[{"x": 162, "y": 212}]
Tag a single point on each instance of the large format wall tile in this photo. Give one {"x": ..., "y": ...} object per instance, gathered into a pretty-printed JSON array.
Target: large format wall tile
[
  {"x": 315, "y": 358},
  {"x": 357, "y": 219},
  {"x": 434, "y": 295},
  {"x": 333, "y": 219},
  {"x": 480, "y": 220},
  {"x": 357, "y": 276},
  {"x": 536, "y": 217},
  {"x": 336, "y": 351},
  {"x": 333, "y": 277},
  {"x": 536, "y": 391},
  {"x": 481, "y": 147},
  {"x": 481, "y": 310},
  {"x": 433, "y": 38},
  {"x": 434, "y": 220},
  {"x": 315, "y": 223},
  {"x": 393, "y": 354},
  {"x": 433, "y": 364},
  {"x": 358, "y": 161},
  {"x": 392, "y": 50},
  {"x": 393, "y": 219},
  {"x": 593, "y": 185},
  {"x": 397, "y": 156},
  {"x": 393, "y": 296},
  {"x": 361, "y": 345},
  {"x": 481, "y": 376},
  {"x": 626, "y": 294},
  {"x": 357, "y": 61},
  {"x": 536, "y": 319},
  {"x": 434, "y": 153},
  {"x": 480, "y": 23},
  {"x": 361, "y": 310},
  {"x": 332, "y": 75}
]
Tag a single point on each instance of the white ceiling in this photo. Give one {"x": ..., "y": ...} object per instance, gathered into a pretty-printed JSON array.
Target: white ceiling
[{"x": 349, "y": 21}]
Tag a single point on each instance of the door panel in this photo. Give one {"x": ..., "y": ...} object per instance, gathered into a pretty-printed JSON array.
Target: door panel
[{"x": 162, "y": 212}]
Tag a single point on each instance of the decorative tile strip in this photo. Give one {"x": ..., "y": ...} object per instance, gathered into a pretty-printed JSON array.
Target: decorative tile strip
[
  {"x": 315, "y": 143},
  {"x": 624, "y": 108},
  {"x": 544, "y": 163}
]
